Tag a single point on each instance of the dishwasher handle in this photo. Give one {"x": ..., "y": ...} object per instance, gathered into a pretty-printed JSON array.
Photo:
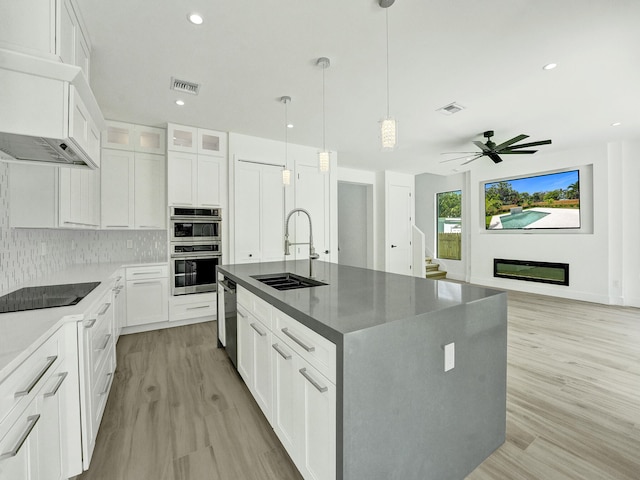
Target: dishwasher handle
[{"x": 227, "y": 288}]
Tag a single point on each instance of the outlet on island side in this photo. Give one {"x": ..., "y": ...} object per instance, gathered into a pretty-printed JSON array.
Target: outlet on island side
[{"x": 449, "y": 356}]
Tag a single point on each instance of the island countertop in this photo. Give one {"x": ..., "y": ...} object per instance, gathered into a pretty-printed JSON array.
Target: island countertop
[{"x": 354, "y": 299}]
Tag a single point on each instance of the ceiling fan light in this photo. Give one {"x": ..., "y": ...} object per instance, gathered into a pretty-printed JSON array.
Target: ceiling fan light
[
  {"x": 388, "y": 133},
  {"x": 324, "y": 159}
]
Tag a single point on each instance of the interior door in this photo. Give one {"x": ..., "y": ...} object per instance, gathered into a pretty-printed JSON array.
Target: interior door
[
  {"x": 272, "y": 214},
  {"x": 312, "y": 194},
  {"x": 399, "y": 229},
  {"x": 247, "y": 214}
]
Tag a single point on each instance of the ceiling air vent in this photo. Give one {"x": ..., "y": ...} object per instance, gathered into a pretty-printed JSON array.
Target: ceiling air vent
[
  {"x": 450, "y": 109},
  {"x": 184, "y": 86}
]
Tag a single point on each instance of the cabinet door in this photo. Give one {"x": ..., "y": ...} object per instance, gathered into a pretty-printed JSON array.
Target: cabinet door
[
  {"x": 212, "y": 143},
  {"x": 22, "y": 442},
  {"x": 118, "y": 135},
  {"x": 52, "y": 437},
  {"x": 247, "y": 214},
  {"x": 263, "y": 380},
  {"x": 182, "y": 139},
  {"x": 67, "y": 33},
  {"x": 245, "y": 348},
  {"x": 82, "y": 53},
  {"x": 29, "y": 26},
  {"x": 209, "y": 181},
  {"x": 33, "y": 195},
  {"x": 149, "y": 197},
  {"x": 147, "y": 301},
  {"x": 313, "y": 194},
  {"x": 149, "y": 140},
  {"x": 272, "y": 214},
  {"x": 284, "y": 382},
  {"x": 316, "y": 423},
  {"x": 117, "y": 183},
  {"x": 181, "y": 174}
]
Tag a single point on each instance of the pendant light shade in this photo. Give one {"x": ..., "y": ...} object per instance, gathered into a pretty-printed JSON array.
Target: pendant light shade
[
  {"x": 388, "y": 125},
  {"x": 324, "y": 157},
  {"x": 286, "y": 173}
]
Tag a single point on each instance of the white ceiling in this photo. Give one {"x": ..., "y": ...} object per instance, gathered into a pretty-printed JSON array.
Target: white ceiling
[{"x": 486, "y": 55}]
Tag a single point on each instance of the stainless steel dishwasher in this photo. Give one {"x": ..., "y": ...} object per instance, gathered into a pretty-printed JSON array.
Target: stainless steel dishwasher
[{"x": 227, "y": 318}]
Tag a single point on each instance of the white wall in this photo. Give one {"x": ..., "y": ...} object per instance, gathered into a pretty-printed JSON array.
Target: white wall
[
  {"x": 427, "y": 186},
  {"x": 354, "y": 237}
]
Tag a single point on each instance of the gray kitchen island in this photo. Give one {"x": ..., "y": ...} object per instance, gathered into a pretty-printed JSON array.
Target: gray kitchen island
[{"x": 398, "y": 413}]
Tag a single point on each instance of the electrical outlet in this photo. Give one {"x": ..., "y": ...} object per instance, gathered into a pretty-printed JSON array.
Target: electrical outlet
[
  {"x": 129, "y": 243},
  {"x": 449, "y": 356}
]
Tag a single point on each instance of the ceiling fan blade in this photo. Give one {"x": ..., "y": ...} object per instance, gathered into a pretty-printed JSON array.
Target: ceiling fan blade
[
  {"x": 509, "y": 151},
  {"x": 460, "y": 158},
  {"x": 481, "y": 146},
  {"x": 511, "y": 142},
  {"x": 474, "y": 158},
  {"x": 531, "y": 144},
  {"x": 494, "y": 156}
]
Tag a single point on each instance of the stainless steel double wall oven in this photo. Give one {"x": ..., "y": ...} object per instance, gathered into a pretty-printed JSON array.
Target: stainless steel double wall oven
[{"x": 196, "y": 249}]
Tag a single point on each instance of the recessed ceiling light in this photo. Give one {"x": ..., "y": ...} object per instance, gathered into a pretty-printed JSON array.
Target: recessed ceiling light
[
  {"x": 550, "y": 66},
  {"x": 289, "y": 125},
  {"x": 195, "y": 18},
  {"x": 616, "y": 124},
  {"x": 180, "y": 102}
]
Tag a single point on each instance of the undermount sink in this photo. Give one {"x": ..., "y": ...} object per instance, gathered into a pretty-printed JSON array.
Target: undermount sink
[{"x": 287, "y": 281}]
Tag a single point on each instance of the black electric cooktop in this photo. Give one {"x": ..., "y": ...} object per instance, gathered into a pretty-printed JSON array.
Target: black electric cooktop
[{"x": 47, "y": 296}]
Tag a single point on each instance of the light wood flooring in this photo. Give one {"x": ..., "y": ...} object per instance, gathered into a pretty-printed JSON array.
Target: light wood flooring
[{"x": 178, "y": 410}]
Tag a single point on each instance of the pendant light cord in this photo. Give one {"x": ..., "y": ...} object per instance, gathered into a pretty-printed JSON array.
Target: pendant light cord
[
  {"x": 324, "y": 122},
  {"x": 387, "y": 25},
  {"x": 286, "y": 134}
]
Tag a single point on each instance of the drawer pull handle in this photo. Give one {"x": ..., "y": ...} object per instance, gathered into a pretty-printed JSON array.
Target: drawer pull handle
[
  {"x": 319, "y": 387},
  {"x": 104, "y": 309},
  {"x": 106, "y": 342},
  {"x": 260, "y": 332},
  {"x": 106, "y": 386},
  {"x": 27, "y": 391},
  {"x": 297, "y": 340},
  {"x": 91, "y": 323},
  {"x": 282, "y": 353},
  {"x": 53, "y": 392},
  {"x": 153, "y": 282},
  {"x": 148, "y": 273},
  {"x": 32, "y": 420},
  {"x": 196, "y": 308}
]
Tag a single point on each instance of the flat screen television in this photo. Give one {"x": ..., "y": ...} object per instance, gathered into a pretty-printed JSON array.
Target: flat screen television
[{"x": 539, "y": 202}]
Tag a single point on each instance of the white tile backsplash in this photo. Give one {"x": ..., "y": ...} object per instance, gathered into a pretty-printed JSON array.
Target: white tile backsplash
[{"x": 21, "y": 251}]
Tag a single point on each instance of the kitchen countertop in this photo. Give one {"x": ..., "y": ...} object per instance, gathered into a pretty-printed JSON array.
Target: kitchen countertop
[
  {"x": 355, "y": 299},
  {"x": 22, "y": 332}
]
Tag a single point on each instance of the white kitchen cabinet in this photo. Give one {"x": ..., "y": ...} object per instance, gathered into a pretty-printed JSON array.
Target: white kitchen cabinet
[
  {"x": 96, "y": 357},
  {"x": 196, "y": 140},
  {"x": 39, "y": 423},
  {"x": 82, "y": 127},
  {"x": 45, "y": 197},
  {"x": 254, "y": 359},
  {"x": 196, "y": 180},
  {"x": 52, "y": 29},
  {"x": 134, "y": 138},
  {"x": 259, "y": 213},
  {"x": 192, "y": 306},
  {"x": 133, "y": 190},
  {"x": 285, "y": 381},
  {"x": 147, "y": 295}
]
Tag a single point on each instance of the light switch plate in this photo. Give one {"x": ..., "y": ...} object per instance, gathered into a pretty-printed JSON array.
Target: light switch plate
[{"x": 449, "y": 356}]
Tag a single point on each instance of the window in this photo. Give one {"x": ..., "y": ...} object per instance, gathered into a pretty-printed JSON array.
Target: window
[{"x": 449, "y": 225}]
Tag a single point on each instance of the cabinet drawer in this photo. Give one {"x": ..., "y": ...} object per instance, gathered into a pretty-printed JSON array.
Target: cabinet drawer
[
  {"x": 186, "y": 306},
  {"x": 140, "y": 273},
  {"x": 255, "y": 305},
  {"x": 101, "y": 388},
  {"x": 314, "y": 348},
  {"x": 22, "y": 384}
]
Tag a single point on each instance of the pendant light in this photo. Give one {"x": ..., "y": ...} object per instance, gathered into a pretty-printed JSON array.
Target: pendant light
[
  {"x": 324, "y": 157},
  {"x": 388, "y": 125},
  {"x": 286, "y": 173}
]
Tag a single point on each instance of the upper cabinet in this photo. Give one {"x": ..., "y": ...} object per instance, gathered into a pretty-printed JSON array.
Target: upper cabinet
[
  {"x": 197, "y": 167},
  {"x": 47, "y": 28},
  {"x": 134, "y": 138},
  {"x": 196, "y": 140}
]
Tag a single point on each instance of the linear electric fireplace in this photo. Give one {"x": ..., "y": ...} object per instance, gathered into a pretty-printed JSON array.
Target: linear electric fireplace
[{"x": 531, "y": 271}]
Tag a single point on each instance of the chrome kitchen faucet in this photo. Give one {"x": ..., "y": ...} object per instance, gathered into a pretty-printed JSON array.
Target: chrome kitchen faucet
[{"x": 312, "y": 251}]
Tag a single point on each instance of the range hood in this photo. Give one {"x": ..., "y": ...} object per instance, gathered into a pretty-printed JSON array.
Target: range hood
[{"x": 50, "y": 115}]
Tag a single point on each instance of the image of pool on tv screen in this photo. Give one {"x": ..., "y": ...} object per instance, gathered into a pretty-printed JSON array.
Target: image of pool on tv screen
[{"x": 546, "y": 201}]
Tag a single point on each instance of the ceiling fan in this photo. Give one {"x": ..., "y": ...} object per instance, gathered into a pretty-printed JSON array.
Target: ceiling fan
[{"x": 493, "y": 151}]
